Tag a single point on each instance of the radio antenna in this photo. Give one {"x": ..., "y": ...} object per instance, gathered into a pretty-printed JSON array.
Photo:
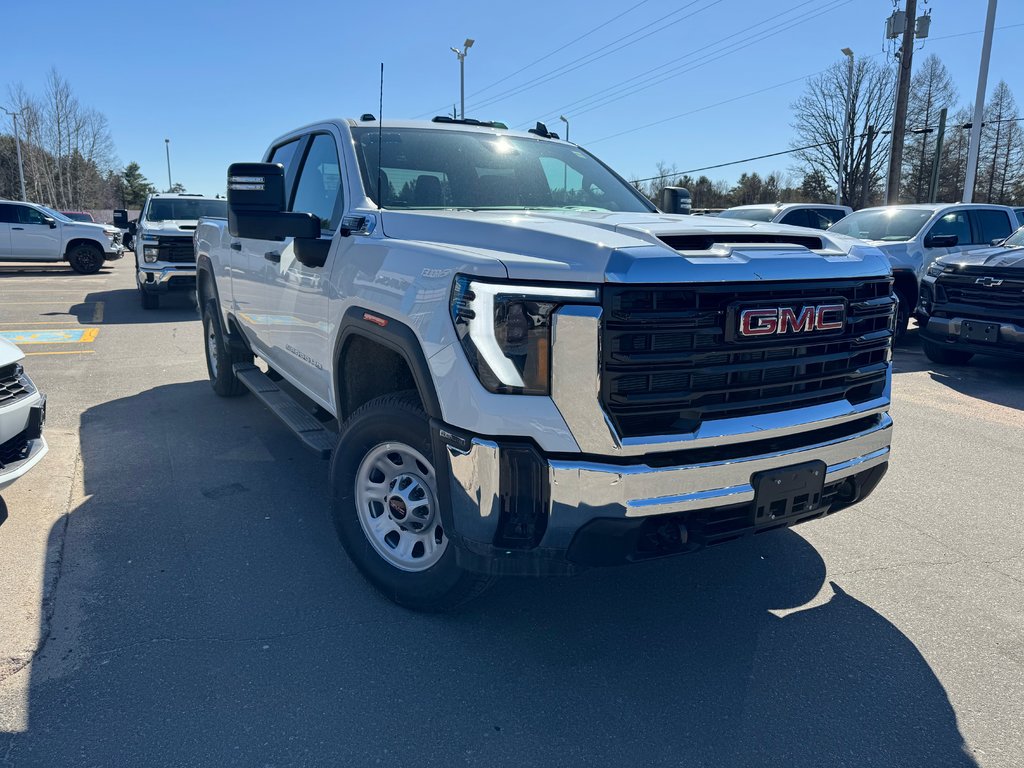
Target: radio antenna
[{"x": 380, "y": 139}]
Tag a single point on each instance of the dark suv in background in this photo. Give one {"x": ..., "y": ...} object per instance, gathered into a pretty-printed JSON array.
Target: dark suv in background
[{"x": 973, "y": 303}]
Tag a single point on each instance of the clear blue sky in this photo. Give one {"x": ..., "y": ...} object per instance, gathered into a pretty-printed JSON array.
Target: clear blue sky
[{"x": 221, "y": 78}]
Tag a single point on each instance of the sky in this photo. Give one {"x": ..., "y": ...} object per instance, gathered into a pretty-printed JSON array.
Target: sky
[{"x": 687, "y": 82}]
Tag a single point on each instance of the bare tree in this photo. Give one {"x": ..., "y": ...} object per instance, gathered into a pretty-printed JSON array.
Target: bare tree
[
  {"x": 931, "y": 90},
  {"x": 1001, "y": 147},
  {"x": 818, "y": 117}
]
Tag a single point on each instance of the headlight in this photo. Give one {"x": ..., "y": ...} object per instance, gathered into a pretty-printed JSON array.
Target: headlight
[
  {"x": 505, "y": 331},
  {"x": 935, "y": 269},
  {"x": 150, "y": 253}
]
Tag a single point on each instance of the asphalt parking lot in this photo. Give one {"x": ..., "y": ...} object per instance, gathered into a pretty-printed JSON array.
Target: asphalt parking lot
[{"x": 172, "y": 593}]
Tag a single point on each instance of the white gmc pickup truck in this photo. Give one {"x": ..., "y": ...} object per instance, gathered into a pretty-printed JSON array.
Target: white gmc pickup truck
[{"x": 517, "y": 365}]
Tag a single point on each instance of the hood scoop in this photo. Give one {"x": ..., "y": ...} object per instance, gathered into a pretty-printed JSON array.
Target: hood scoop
[{"x": 704, "y": 241}]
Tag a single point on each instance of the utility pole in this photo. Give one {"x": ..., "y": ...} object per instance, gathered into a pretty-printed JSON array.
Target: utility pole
[
  {"x": 906, "y": 58},
  {"x": 979, "y": 104},
  {"x": 17, "y": 144},
  {"x": 867, "y": 167},
  {"x": 844, "y": 151},
  {"x": 933, "y": 187},
  {"x": 462, "y": 72},
  {"x": 167, "y": 146}
]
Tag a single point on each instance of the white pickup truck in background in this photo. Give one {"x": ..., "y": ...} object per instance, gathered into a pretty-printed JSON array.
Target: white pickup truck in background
[
  {"x": 519, "y": 366},
  {"x": 164, "y": 257},
  {"x": 30, "y": 232}
]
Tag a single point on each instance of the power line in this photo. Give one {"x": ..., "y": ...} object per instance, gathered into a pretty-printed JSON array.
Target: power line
[
  {"x": 624, "y": 85},
  {"x": 593, "y": 56},
  {"x": 544, "y": 57}
]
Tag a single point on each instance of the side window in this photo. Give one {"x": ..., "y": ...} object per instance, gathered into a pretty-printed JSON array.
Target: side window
[
  {"x": 285, "y": 155},
  {"x": 829, "y": 216},
  {"x": 319, "y": 188},
  {"x": 30, "y": 215},
  {"x": 796, "y": 218},
  {"x": 991, "y": 225},
  {"x": 954, "y": 223},
  {"x": 8, "y": 213}
]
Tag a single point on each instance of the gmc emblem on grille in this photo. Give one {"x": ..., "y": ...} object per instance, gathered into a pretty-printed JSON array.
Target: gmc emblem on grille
[{"x": 776, "y": 321}]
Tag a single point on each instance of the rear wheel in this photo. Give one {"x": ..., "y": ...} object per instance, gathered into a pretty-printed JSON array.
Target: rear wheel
[
  {"x": 221, "y": 354},
  {"x": 938, "y": 353},
  {"x": 386, "y": 508},
  {"x": 85, "y": 259}
]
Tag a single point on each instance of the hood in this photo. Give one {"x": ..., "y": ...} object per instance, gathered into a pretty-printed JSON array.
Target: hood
[
  {"x": 89, "y": 228},
  {"x": 590, "y": 246},
  {"x": 995, "y": 258},
  {"x": 170, "y": 226},
  {"x": 9, "y": 353}
]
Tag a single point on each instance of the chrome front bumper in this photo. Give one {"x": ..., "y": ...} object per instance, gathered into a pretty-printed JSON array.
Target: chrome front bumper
[
  {"x": 159, "y": 278},
  {"x": 584, "y": 490}
]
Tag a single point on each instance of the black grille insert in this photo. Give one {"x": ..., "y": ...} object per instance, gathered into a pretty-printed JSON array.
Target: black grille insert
[
  {"x": 176, "y": 249},
  {"x": 669, "y": 362},
  {"x": 13, "y": 384}
]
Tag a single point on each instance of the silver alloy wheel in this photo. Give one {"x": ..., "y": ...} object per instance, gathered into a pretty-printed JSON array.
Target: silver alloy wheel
[
  {"x": 396, "y": 502},
  {"x": 211, "y": 347}
]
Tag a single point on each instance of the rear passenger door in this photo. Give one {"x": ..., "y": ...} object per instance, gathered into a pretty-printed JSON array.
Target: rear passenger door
[{"x": 297, "y": 295}]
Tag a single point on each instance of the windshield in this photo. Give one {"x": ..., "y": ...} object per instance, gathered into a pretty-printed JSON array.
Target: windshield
[
  {"x": 1016, "y": 240},
  {"x": 750, "y": 214},
  {"x": 56, "y": 214},
  {"x": 889, "y": 224},
  {"x": 185, "y": 209},
  {"x": 433, "y": 169}
]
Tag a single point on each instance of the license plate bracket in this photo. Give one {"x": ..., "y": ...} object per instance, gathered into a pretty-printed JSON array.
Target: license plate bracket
[
  {"x": 979, "y": 330},
  {"x": 780, "y": 494}
]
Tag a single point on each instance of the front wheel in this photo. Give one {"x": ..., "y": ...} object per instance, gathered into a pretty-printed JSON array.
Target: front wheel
[
  {"x": 221, "y": 356},
  {"x": 85, "y": 259},
  {"x": 938, "y": 353},
  {"x": 386, "y": 509}
]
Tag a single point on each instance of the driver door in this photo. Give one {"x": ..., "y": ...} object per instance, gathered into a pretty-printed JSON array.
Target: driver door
[{"x": 32, "y": 237}]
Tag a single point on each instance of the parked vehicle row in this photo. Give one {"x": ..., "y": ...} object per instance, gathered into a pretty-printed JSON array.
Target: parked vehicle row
[
  {"x": 812, "y": 215},
  {"x": 519, "y": 366},
  {"x": 30, "y": 232}
]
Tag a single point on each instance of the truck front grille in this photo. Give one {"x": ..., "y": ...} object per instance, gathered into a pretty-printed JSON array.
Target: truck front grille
[
  {"x": 176, "y": 249},
  {"x": 14, "y": 385},
  {"x": 1003, "y": 301},
  {"x": 671, "y": 359}
]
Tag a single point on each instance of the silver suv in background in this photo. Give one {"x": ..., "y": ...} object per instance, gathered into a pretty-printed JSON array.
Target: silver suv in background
[
  {"x": 914, "y": 236},
  {"x": 813, "y": 215}
]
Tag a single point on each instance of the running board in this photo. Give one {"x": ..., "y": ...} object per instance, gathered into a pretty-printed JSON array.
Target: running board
[{"x": 309, "y": 430}]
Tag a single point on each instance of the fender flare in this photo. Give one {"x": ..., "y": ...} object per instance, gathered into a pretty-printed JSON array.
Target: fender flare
[{"x": 396, "y": 336}]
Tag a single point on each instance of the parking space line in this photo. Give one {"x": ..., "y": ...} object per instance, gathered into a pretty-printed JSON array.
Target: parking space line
[
  {"x": 55, "y": 336},
  {"x": 62, "y": 352}
]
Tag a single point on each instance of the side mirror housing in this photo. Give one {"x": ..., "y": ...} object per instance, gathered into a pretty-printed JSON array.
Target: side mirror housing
[
  {"x": 121, "y": 218},
  {"x": 997, "y": 241},
  {"x": 256, "y": 205},
  {"x": 51, "y": 221},
  {"x": 311, "y": 252},
  {"x": 133, "y": 227},
  {"x": 941, "y": 241}
]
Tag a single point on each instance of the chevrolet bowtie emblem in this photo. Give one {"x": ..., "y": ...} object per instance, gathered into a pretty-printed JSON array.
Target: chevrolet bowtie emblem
[{"x": 988, "y": 282}]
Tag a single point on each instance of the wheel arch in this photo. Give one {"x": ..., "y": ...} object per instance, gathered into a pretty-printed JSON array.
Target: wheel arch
[
  {"x": 77, "y": 241},
  {"x": 391, "y": 351}
]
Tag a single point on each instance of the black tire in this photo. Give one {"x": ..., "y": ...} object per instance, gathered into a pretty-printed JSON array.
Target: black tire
[
  {"x": 904, "y": 309},
  {"x": 149, "y": 300},
  {"x": 397, "y": 418},
  {"x": 85, "y": 259},
  {"x": 938, "y": 353},
  {"x": 221, "y": 354}
]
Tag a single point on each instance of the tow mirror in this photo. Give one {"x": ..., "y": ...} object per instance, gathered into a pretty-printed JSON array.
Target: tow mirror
[
  {"x": 133, "y": 227},
  {"x": 121, "y": 218},
  {"x": 941, "y": 241},
  {"x": 256, "y": 206}
]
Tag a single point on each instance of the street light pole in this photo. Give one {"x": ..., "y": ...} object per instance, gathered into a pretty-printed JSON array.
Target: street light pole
[
  {"x": 167, "y": 146},
  {"x": 462, "y": 72},
  {"x": 846, "y": 124},
  {"x": 979, "y": 104},
  {"x": 565, "y": 120},
  {"x": 17, "y": 144}
]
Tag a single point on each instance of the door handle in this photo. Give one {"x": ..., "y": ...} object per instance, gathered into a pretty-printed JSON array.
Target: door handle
[
  {"x": 20, "y": 229},
  {"x": 236, "y": 246},
  {"x": 274, "y": 256}
]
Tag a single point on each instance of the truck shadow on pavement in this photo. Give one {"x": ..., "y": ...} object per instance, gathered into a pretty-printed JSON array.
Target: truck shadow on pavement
[
  {"x": 205, "y": 614},
  {"x": 995, "y": 380},
  {"x": 122, "y": 307}
]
